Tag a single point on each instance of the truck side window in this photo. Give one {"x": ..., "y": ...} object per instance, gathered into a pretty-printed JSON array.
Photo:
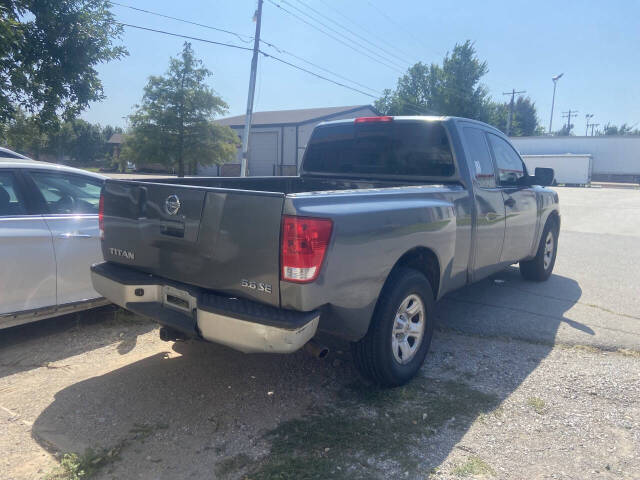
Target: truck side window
[
  {"x": 510, "y": 166},
  {"x": 480, "y": 162}
]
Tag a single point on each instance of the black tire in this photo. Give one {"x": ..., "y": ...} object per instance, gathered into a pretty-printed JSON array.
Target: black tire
[
  {"x": 373, "y": 354},
  {"x": 534, "y": 269}
]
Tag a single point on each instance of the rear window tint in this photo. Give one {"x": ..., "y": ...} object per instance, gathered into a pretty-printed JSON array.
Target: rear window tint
[{"x": 384, "y": 148}]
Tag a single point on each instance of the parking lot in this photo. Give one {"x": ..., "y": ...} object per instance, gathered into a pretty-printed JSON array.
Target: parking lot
[{"x": 524, "y": 380}]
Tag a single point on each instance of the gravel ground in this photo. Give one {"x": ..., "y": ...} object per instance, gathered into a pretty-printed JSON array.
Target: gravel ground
[{"x": 523, "y": 381}]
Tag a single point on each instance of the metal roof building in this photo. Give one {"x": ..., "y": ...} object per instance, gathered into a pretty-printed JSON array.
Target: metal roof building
[{"x": 278, "y": 138}]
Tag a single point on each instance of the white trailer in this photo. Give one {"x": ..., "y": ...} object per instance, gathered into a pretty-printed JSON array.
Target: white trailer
[
  {"x": 569, "y": 168},
  {"x": 614, "y": 158}
]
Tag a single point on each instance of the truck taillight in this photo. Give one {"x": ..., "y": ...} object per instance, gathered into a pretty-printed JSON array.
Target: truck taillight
[
  {"x": 304, "y": 243},
  {"x": 101, "y": 215}
]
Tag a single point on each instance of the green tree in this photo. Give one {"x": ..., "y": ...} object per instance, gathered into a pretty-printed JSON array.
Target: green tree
[
  {"x": 48, "y": 53},
  {"x": 84, "y": 143},
  {"x": 564, "y": 131},
  {"x": 173, "y": 125},
  {"x": 525, "y": 118},
  {"x": 451, "y": 89},
  {"x": 624, "y": 129},
  {"x": 23, "y": 135}
]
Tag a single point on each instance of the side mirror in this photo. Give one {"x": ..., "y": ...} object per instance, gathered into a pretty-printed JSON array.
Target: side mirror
[{"x": 544, "y": 176}]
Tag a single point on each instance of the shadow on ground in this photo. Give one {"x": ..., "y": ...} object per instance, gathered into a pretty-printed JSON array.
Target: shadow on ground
[
  {"x": 207, "y": 411},
  {"x": 67, "y": 336}
]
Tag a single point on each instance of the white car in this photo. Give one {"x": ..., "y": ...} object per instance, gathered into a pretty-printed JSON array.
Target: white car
[{"x": 48, "y": 239}]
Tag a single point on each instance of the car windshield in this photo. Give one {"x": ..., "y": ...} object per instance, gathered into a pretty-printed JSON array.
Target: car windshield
[{"x": 381, "y": 148}]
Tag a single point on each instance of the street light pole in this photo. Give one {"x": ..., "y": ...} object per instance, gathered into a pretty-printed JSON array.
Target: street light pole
[
  {"x": 252, "y": 89},
  {"x": 553, "y": 101}
]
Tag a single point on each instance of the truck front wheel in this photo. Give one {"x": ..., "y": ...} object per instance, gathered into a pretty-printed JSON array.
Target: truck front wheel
[{"x": 394, "y": 348}]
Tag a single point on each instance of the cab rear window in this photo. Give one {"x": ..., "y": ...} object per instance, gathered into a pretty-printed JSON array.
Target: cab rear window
[{"x": 380, "y": 148}]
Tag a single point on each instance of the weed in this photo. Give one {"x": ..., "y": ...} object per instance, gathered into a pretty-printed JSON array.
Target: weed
[
  {"x": 629, "y": 353},
  {"x": 538, "y": 405},
  {"x": 81, "y": 467},
  {"x": 473, "y": 466}
]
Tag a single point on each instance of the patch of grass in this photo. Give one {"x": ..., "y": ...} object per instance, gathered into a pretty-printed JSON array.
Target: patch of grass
[
  {"x": 368, "y": 426},
  {"x": 538, "y": 405},
  {"x": 81, "y": 467},
  {"x": 587, "y": 348},
  {"x": 232, "y": 464},
  {"x": 495, "y": 413},
  {"x": 473, "y": 466},
  {"x": 629, "y": 353}
]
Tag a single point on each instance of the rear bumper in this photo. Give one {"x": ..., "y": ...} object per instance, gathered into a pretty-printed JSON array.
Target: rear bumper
[{"x": 240, "y": 324}]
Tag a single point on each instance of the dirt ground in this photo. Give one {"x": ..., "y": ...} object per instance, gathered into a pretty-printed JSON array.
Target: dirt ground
[{"x": 523, "y": 381}]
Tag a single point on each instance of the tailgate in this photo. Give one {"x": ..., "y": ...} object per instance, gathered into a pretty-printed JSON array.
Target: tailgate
[{"x": 220, "y": 239}]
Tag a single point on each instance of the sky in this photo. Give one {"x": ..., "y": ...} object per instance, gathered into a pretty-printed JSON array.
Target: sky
[{"x": 595, "y": 44}]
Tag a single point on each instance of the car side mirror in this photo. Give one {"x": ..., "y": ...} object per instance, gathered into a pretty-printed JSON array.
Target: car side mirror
[{"x": 543, "y": 176}]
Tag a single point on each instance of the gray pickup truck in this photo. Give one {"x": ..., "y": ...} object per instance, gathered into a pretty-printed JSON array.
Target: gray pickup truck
[{"x": 387, "y": 216}]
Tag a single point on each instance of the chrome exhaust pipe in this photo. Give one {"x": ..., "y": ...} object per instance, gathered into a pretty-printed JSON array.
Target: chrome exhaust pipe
[{"x": 316, "y": 349}]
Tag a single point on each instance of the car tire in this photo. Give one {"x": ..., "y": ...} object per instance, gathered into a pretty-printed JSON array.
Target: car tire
[
  {"x": 540, "y": 267},
  {"x": 405, "y": 311}
]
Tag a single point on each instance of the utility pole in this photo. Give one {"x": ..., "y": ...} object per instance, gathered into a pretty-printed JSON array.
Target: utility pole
[
  {"x": 252, "y": 89},
  {"x": 588, "y": 116},
  {"x": 553, "y": 101},
  {"x": 511, "y": 105},
  {"x": 568, "y": 115},
  {"x": 594, "y": 125}
]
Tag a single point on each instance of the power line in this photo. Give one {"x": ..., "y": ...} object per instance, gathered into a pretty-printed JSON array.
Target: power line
[
  {"x": 333, "y": 37},
  {"x": 281, "y": 50},
  {"x": 365, "y": 39},
  {"x": 231, "y": 45},
  {"x": 238, "y": 35},
  {"x": 397, "y": 24},
  {"x": 164, "y": 32},
  {"x": 412, "y": 106},
  {"x": 379, "y": 37},
  {"x": 315, "y": 74},
  {"x": 391, "y": 61}
]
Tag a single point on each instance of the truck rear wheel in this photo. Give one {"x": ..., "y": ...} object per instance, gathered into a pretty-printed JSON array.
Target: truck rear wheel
[
  {"x": 540, "y": 267},
  {"x": 400, "y": 333}
]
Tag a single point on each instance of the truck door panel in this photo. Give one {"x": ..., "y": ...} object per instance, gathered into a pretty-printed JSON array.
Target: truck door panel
[
  {"x": 520, "y": 201},
  {"x": 489, "y": 205}
]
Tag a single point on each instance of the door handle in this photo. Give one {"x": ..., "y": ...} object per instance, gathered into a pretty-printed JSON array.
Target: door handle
[
  {"x": 74, "y": 235},
  {"x": 510, "y": 202}
]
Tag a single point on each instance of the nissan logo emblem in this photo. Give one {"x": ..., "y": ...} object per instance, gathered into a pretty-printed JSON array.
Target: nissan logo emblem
[{"x": 172, "y": 204}]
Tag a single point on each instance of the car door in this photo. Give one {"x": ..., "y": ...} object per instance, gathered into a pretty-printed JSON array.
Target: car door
[
  {"x": 489, "y": 204},
  {"x": 72, "y": 216},
  {"x": 520, "y": 202},
  {"x": 27, "y": 267}
]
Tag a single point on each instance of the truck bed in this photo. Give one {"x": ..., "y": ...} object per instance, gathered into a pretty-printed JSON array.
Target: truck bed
[{"x": 225, "y": 234}]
